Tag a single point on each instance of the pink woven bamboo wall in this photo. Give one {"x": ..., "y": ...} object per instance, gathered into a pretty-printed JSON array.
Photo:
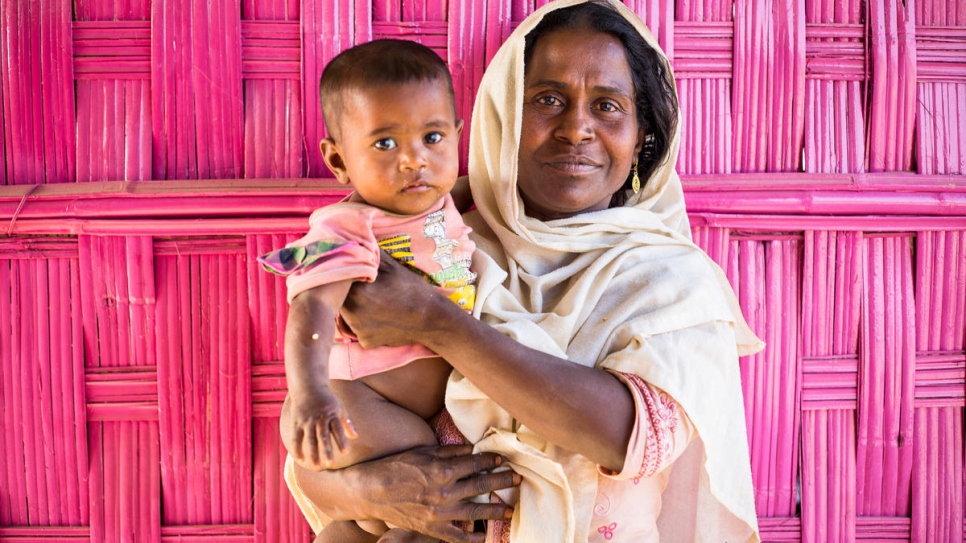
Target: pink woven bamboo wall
[{"x": 151, "y": 149}]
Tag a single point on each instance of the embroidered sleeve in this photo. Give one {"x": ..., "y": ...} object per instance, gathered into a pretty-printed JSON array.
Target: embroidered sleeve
[{"x": 661, "y": 431}]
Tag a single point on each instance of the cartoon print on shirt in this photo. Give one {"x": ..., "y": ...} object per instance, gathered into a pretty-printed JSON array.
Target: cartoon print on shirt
[{"x": 455, "y": 270}]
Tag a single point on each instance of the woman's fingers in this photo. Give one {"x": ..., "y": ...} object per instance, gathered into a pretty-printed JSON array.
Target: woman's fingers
[{"x": 484, "y": 483}]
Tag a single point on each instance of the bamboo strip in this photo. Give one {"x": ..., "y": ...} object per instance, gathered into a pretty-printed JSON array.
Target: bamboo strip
[
  {"x": 466, "y": 29},
  {"x": 79, "y": 453},
  {"x": 58, "y": 79},
  {"x": 828, "y": 488},
  {"x": 893, "y": 69},
  {"x": 171, "y": 408},
  {"x": 883, "y": 224},
  {"x": 196, "y": 420},
  {"x": 121, "y": 310},
  {"x": 15, "y": 495},
  {"x": 938, "y": 476},
  {"x": 887, "y": 378},
  {"x": 126, "y": 450},
  {"x": 33, "y": 392},
  {"x": 96, "y": 481},
  {"x": 185, "y": 368},
  {"x": 293, "y": 196},
  {"x": 60, "y": 386},
  {"x": 240, "y": 414}
]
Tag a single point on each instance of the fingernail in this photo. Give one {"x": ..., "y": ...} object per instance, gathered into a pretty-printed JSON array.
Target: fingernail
[
  {"x": 517, "y": 479},
  {"x": 499, "y": 460},
  {"x": 508, "y": 514}
]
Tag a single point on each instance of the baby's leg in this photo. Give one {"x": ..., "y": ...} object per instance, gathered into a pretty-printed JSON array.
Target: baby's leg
[
  {"x": 398, "y": 535},
  {"x": 345, "y": 532},
  {"x": 383, "y": 427}
]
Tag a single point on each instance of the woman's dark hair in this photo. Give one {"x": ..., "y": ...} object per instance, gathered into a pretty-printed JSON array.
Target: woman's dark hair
[{"x": 657, "y": 105}]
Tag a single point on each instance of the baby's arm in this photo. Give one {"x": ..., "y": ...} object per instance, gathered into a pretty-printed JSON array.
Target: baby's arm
[{"x": 319, "y": 419}]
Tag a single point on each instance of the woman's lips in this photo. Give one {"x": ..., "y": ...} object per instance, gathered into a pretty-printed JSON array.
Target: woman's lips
[{"x": 573, "y": 165}]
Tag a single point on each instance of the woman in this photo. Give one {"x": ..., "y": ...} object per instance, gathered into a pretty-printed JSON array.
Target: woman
[{"x": 604, "y": 364}]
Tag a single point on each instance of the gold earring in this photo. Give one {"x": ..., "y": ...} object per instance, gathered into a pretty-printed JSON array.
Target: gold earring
[{"x": 636, "y": 182}]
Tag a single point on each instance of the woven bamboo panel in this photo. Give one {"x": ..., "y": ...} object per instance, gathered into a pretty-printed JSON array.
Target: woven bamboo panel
[{"x": 151, "y": 149}]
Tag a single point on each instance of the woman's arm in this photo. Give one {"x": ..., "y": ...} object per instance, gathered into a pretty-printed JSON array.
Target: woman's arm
[{"x": 556, "y": 398}]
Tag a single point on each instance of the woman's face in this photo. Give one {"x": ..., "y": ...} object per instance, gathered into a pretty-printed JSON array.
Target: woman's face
[{"x": 579, "y": 133}]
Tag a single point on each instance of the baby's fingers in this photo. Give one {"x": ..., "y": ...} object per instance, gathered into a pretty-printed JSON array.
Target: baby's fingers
[
  {"x": 342, "y": 431},
  {"x": 323, "y": 442}
]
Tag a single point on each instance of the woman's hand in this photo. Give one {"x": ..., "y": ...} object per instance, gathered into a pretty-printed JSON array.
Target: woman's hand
[
  {"x": 424, "y": 490},
  {"x": 395, "y": 309}
]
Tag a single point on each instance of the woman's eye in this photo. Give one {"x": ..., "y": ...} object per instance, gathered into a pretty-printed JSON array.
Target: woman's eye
[
  {"x": 433, "y": 137},
  {"x": 385, "y": 144},
  {"x": 608, "y": 107},
  {"x": 549, "y": 101}
]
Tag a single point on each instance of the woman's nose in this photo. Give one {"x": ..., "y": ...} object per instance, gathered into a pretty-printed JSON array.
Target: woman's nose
[{"x": 576, "y": 126}]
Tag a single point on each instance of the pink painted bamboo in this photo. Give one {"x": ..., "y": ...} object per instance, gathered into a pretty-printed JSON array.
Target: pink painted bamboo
[
  {"x": 938, "y": 475},
  {"x": 893, "y": 77},
  {"x": 15, "y": 495}
]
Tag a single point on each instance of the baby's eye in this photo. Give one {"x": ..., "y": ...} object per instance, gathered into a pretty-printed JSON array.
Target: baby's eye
[
  {"x": 385, "y": 144},
  {"x": 433, "y": 137}
]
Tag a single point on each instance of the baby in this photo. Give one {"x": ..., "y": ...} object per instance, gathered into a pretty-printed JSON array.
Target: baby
[{"x": 389, "y": 110}]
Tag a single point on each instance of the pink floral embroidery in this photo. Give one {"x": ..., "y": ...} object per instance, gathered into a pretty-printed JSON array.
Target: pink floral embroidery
[
  {"x": 446, "y": 431},
  {"x": 662, "y": 413},
  {"x": 608, "y": 531}
]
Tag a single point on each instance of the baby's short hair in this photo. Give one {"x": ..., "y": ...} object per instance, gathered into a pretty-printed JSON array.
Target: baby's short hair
[{"x": 375, "y": 63}]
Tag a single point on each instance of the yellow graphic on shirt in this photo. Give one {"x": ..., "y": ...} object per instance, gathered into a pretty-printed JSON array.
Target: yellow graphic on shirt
[{"x": 400, "y": 247}]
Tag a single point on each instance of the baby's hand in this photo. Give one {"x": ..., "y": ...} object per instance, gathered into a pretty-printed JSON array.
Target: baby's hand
[{"x": 319, "y": 421}]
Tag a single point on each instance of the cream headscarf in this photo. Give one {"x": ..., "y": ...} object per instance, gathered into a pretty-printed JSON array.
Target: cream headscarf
[{"x": 594, "y": 289}]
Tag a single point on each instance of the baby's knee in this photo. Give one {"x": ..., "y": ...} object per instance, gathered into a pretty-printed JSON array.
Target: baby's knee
[{"x": 398, "y": 535}]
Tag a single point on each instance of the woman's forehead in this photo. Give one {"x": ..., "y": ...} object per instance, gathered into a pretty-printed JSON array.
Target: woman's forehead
[{"x": 580, "y": 52}]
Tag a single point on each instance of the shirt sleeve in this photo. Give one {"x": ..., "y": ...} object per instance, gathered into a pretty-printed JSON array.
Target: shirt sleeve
[
  {"x": 357, "y": 256},
  {"x": 662, "y": 431}
]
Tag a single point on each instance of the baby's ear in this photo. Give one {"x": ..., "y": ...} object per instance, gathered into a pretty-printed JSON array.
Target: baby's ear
[{"x": 333, "y": 159}]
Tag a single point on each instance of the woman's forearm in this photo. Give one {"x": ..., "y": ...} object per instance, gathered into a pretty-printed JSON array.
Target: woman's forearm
[{"x": 560, "y": 400}]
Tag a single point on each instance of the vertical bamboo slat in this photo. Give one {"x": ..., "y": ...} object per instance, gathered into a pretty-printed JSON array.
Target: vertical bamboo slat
[
  {"x": 702, "y": 60},
  {"x": 941, "y": 67},
  {"x": 37, "y": 91},
  {"x": 205, "y": 397},
  {"x": 271, "y": 51},
  {"x": 830, "y": 318},
  {"x": 196, "y": 90},
  {"x": 277, "y": 517},
  {"x": 835, "y": 87},
  {"x": 892, "y": 91},
  {"x": 42, "y": 469},
  {"x": 938, "y": 475},
  {"x": 886, "y": 378},
  {"x": 769, "y": 84},
  {"x": 466, "y": 30},
  {"x": 768, "y": 286}
]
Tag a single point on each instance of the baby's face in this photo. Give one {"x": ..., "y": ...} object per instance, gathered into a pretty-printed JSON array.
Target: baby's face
[{"x": 398, "y": 144}]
